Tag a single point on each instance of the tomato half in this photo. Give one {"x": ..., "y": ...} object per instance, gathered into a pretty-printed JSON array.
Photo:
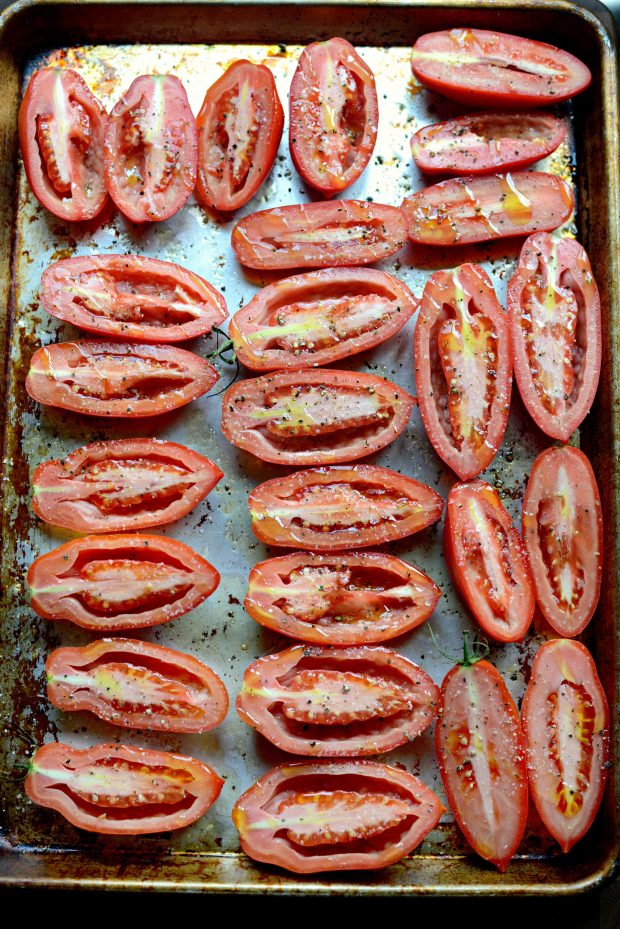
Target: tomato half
[
  {"x": 329, "y": 702},
  {"x": 463, "y": 368},
  {"x": 117, "y": 378},
  {"x": 566, "y": 725},
  {"x": 563, "y": 534},
  {"x": 555, "y": 324},
  {"x": 490, "y": 69},
  {"x": 335, "y": 816},
  {"x": 151, "y": 149},
  {"x": 343, "y": 599},
  {"x": 137, "y": 685},
  {"x": 239, "y": 130},
  {"x": 122, "y": 485},
  {"x": 121, "y": 790},
  {"x": 131, "y": 297},
  {"x": 482, "y": 143},
  {"x": 334, "y": 115},
  {"x": 318, "y": 235},
  {"x": 331, "y": 509},
  {"x": 314, "y": 417},
  {"x": 488, "y": 561},
  {"x": 110, "y": 582},
  {"x": 61, "y": 130}
]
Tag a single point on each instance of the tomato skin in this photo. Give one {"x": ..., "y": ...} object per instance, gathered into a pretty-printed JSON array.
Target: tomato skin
[
  {"x": 253, "y": 129},
  {"x": 131, "y": 297},
  {"x": 567, "y": 741},
  {"x": 357, "y": 598},
  {"x": 555, "y": 313},
  {"x": 330, "y": 152},
  {"x": 100, "y": 487},
  {"x": 451, "y": 377},
  {"x": 404, "y": 506},
  {"x": 63, "y": 150},
  {"x": 319, "y": 308},
  {"x": 495, "y": 69},
  {"x": 80, "y": 376},
  {"x": 59, "y": 778}
]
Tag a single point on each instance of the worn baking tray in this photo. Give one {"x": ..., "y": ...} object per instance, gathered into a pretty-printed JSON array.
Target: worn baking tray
[{"x": 110, "y": 43}]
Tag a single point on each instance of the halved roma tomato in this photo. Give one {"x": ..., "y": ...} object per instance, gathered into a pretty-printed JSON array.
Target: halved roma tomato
[
  {"x": 110, "y": 582},
  {"x": 566, "y": 725},
  {"x": 121, "y": 790},
  {"x": 137, "y": 685},
  {"x": 314, "y": 417},
  {"x": 482, "y": 143},
  {"x": 334, "y": 115},
  {"x": 318, "y": 235},
  {"x": 463, "y": 368},
  {"x": 61, "y": 130},
  {"x": 477, "y": 209},
  {"x": 490, "y": 69},
  {"x": 151, "y": 149},
  {"x": 343, "y": 599},
  {"x": 122, "y": 485},
  {"x": 335, "y": 816},
  {"x": 563, "y": 534},
  {"x": 131, "y": 297},
  {"x": 239, "y": 130},
  {"x": 555, "y": 324},
  {"x": 488, "y": 561},
  {"x": 328, "y": 702},
  {"x": 117, "y": 378},
  {"x": 330, "y": 509}
]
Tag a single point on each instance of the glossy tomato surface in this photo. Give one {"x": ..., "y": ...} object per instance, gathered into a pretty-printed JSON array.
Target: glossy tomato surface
[
  {"x": 338, "y": 508},
  {"x": 316, "y": 816},
  {"x": 131, "y": 297},
  {"x": 322, "y": 316},
  {"x": 555, "y": 323},
  {"x": 334, "y": 115},
  {"x": 330, "y": 702},
  {"x": 121, "y": 790},
  {"x": 110, "y": 582},
  {"x": 566, "y": 725},
  {"x": 239, "y": 130},
  {"x": 463, "y": 368}
]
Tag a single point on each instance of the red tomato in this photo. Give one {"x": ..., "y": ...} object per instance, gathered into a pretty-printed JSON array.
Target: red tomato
[
  {"x": 488, "y": 561},
  {"x": 151, "y": 149},
  {"x": 482, "y": 143},
  {"x": 563, "y": 533},
  {"x": 318, "y": 235},
  {"x": 328, "y": 702},
  {"x": 490, "y": 69},
  {"x": 314, "y": 417},
  {"x": 477, "y": 209},
  {"x": 555, "y": 323},
  {"x": 330, "y": 509},
  {"x": 117, "y": 378},
  {"x": 137, "y": 685},
  {"x": 566, "y": 725},
  {"x": 463, "y": 368},
  {"x": 335, "y": 816},
  {"x": 481, "y": 753},
  {"x": 322, "y": 316},
  {"x": 239, "y": 130},
  {"x": 343, "y": 599},
  {"x": 121, "y": 790},
  {"x": 61, "y": 129},
  {"x": 111, "y": 582},
  {"x": 122, "y": 485},
  {"x": 334, "y": 115},
  {"x": 131, "y": 297}
]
